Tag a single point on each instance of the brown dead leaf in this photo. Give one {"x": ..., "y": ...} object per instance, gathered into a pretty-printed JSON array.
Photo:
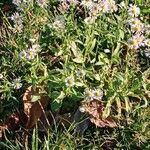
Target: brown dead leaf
[
  {"x": 13, "y": 121},
  {"x": 34, "y": 110},
  {"x": 94, "y": 109}
]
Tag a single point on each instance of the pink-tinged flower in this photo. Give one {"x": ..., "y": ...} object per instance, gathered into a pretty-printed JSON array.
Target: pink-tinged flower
[
  {"x": 134, "y": 21},
  {"x": 133, "y": 10},
  {"x": 104, "y": 4},
  {"x": 16, "y": 18},
  {"x": 17, "y": 83},
  {"x": 136, "y": 41},
  {"x": 136, "y": 25}
]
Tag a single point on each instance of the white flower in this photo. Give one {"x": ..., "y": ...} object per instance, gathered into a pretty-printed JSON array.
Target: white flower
[
  {"x": 89, "y": 94},
  {"x": 18, "y": 26},
  {"x": 80, "y": 73},
  {"x": 69, "y": 81},
  {"x": 16, "y": 18},
  {"x": 133, "y": 10},
  {"x": 98, "y": 94},
  {"x": 31, "y": 54},
  {"x": 17, "y": 83}
]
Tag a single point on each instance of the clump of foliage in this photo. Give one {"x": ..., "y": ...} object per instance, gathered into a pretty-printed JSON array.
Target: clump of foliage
[{"x": 77, "y": 58}]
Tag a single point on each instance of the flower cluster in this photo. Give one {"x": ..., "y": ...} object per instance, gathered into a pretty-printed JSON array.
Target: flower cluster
[
  {"x": 103, "y": 6},
  {"x": 136, "y": 25},
  {"x": 30, "y": 53},
  {"x": 93, "y": 94},
  {"x": 93, "y": 7},
  {"x": 137, "y": 28},
  {"x": 18, "y": 23},
  {"x": 70, "y": 80}
]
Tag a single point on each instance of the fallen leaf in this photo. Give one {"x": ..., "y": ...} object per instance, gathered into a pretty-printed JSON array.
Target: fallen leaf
[
  {"x": 94, "y": 109},
  {"x": 34, "y": 110},
  {"x": 13, "y": 121}
]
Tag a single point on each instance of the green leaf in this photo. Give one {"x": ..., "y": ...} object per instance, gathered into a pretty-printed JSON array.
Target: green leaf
[
  {"x": 35, "y": 98},
  {"x": 80, "y": 84},
  {"x": 55, "y": 105},
  {"x": 78, "y": 60}
]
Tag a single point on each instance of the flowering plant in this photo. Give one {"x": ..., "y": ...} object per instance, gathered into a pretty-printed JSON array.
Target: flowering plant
[{"x": 84, "y": 53}]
